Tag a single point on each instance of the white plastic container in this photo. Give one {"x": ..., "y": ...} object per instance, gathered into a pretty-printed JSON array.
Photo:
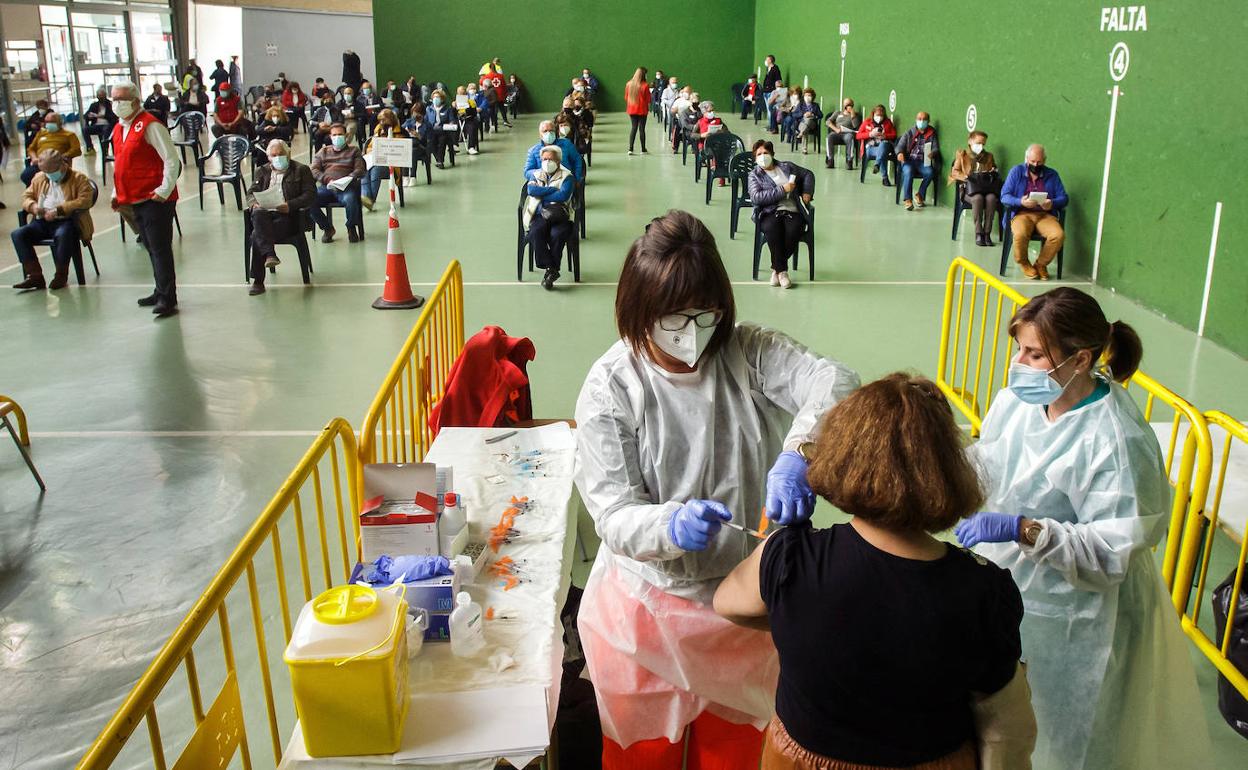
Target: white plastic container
[{"x": 467, "y": 627}]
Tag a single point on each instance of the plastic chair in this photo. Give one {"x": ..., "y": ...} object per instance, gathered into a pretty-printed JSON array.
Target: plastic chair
[
  {"x": 721, "y": 152},
  {"x": 106, "y": 156},
  {"x": 299, "y": 240},
  {"x": 21, "y": 437},
  {"x": 738, "y": 98},
  {"x": 328, "y": 210},
  {"x": 572, "y": 246},
  {"x": 795, "y": 140},
  {"x": 232, "y": 149},
  {"x": 739, "y": 170},
  {"x": 191, "y": 123},
  {"x": 1007, "y": 237},
  {"x": 808, "y": 238},
  {"x": 76, "y": 256},
  {"x": 960, "y": 205}
]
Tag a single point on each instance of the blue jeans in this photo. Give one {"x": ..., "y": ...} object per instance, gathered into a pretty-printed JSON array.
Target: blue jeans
[
  {"x": 908, "y": 170},
  {"x": 349, "y": 199},
  {"x": 880, "y": 153},
  {"x": 63, "y": 232},
  {"x": 370, "y": 185}
]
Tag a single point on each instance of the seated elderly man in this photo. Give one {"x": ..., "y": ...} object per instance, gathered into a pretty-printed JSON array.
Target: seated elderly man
[
  {"x": 269, "y": 225},
  {"x": 917, "y": 151},
  {"x": 58, "y": 201},
  {"x": 843, "y": 128},
  {"x": 1036, "y": 193},
  {"x": 568, "y": 154},
  {"x": 157, "y": 103},
  {"x": 53, "y": 136},
  {"x": 548, "y": 211},
  {"x": 333, "y": 163}
]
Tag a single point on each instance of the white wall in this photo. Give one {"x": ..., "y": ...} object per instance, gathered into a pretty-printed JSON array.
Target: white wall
[
  {"x": 217, "y": 34},
  {"x": 309, "y": 45}
]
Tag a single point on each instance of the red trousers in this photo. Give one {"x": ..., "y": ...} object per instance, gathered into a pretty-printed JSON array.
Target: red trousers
[{"x": 714, "y": 744}]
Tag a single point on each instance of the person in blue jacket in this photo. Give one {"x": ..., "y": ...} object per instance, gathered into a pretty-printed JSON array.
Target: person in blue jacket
[
  {"x": 417, "y": 127},
  {"x": 548, "y": 211},
  {"x": 547, "y": 136},
  {"x": 1034, "y": 194},
  {"x": 437, "y": 115}
]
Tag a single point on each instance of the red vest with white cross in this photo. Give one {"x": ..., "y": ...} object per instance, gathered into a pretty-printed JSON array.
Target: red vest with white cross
[{"x": 137, "y": 168}]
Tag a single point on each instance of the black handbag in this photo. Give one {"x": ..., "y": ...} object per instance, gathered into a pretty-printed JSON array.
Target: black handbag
[
  {"x": 555, "y": 213},
  {"x": 984, "y": 183}
]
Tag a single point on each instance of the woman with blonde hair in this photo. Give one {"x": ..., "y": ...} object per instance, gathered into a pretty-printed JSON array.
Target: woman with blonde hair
[{"x": 637, "y": 99}]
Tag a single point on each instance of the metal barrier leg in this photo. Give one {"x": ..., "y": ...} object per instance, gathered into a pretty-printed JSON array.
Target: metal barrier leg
[{"x": 30, "y": 463}]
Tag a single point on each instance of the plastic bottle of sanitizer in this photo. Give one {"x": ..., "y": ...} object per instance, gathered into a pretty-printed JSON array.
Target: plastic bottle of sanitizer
[{"x": 467, "y": 635}]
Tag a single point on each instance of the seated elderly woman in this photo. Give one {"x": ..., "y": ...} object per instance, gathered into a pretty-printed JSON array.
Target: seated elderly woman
[
  {"x": 387, "y": 127},
  {"x": 896, "y": 649},
  {"x": 275, "y": 125},
  {"x": 548, "y": 211},
  {"x": 417, "y": 129},
  {"x": 775, "y": 187},
  {"x": 323, "y": 118},
  {"x": 58, "y": 201}
]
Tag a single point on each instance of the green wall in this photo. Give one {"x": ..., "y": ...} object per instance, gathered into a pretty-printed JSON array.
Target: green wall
[
  {"x": 449, "y": 41},
  {"x": 1040, "y": 73}
]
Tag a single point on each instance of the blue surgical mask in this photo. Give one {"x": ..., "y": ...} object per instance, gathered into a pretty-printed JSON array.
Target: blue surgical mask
[
  {"x": 280, "y": 162},
  {"x": 922, "y": 124},
  {"x": 339, "y": 141},
  {"x": 56, "y": 176},
  {"x": 52, "y": 127},
  {"x": 1036, "y": 386},
  {"x": 437, "y": 101}
]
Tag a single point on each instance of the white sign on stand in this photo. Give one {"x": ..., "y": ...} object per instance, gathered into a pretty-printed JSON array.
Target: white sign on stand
[{"x": 389, "y": 151}]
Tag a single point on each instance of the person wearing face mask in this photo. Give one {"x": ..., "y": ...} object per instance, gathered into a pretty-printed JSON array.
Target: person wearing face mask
[
  {"x": 157, "y": 103},
  {"x": 709, "y": 123},
  {"x": 494, "y": 86},
  {"x": 58, "y": 200},
  {"x": 53, "y": 136},
  {"x": 145, "y": 190},
  {"x": 666, "y": 99},
  {"x": 842, "y": 126},
  {"x": 751, "y": 95},
  {"x": 443, "y": 127},
  {"x": 807, "y": 117},
  {"x": 582, "y": 127},
  {"x": 547, "y": 213},
  {"x": 775, "y": 188},
  {"x": 320, "y": 89},
  {"x": 877, "y": 136},
  {"x": 193, "y": 98},
  {"x": 591, "y": 82},
  {"x": 98, "y": 120},
  {"x": 637, "y": 101},
  {"x": 976, "y": 169},
  {"x": 680, "y": 111},
  {"x": 1077, "y": 496},
  {"x": 468, "y": 116},
  {"x": 370, "y": 186},
  {"x": 323, "y": 119},
  {"x": 547, "y": 135},
  {"x": 677, "y": 425},
  {"x": 1033, "y": 195},
  {"x": 512, "y": 101},
  {"x": 295, "y": 104},
  {"x": 656, "y": 92},
  {"x": 228, "y": 116},
  {"x": 275, "y": 125},
  {"x": 335, "y": 161},
  {"x": 367, "y": 106},
  {"x": 918, "y": 153},
  {"x": 773, "y": 100},
  {"x": 220, "y": 76},
  {"x": 268, "y": 226},
  {"x": 416, "y": 128},
  {"x": 578, "y": 87},
  {"x": 352, "y": 116}
]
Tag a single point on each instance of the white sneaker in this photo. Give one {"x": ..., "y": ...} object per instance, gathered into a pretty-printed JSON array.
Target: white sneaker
[
  {"x": 409, "y": 182},
  {"x": 775, "y": 278},
  {"x": 785, "y": 283},
  {"x": 472, "y": 150}
]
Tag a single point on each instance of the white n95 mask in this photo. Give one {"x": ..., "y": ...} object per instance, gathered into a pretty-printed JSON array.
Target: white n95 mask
[{"x": 688, "y": 342}]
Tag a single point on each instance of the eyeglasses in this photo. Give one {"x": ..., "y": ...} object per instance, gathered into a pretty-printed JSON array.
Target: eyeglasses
[{"x": 675, "y": 322}]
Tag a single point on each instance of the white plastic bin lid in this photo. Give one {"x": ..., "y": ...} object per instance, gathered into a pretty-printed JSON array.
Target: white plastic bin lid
[{"x": 344, "y": 622}]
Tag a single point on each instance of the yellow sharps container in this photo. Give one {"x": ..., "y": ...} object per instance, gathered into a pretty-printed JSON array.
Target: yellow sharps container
[{"x": 348, "y": 669}]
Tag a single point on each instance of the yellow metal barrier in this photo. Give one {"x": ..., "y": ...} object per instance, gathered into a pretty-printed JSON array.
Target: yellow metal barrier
[
  {"x": 250, "y": 680},
  {"x": 396, "y": 426},
  {"x": 1201, "y": 549},
  {"x": 9, "y": 406},
  {"x": 974, "y": 362}
]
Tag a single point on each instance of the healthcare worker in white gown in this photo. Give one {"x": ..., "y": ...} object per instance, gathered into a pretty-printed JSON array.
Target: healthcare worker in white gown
[
  {"x": 678, "y": 424},
  {"x": 1077, "y": 498}
]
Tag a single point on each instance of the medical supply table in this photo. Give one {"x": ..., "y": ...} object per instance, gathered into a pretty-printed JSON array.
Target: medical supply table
[{"x": 499, "y": 710}]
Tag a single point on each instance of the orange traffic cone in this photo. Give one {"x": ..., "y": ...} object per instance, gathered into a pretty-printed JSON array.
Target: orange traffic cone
[{"x": 397, "y": 292}]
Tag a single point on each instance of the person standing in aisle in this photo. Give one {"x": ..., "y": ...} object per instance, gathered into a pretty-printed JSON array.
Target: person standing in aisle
[
  {"x": 771, "y": 81},
  {"x": 145, "y": 182},
  {"x": 637, "y": 97},
  {"x": 236, "y": 75}
]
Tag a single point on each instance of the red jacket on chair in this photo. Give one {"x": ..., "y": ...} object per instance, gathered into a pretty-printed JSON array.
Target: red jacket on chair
[{"x": 487, "y": 385}]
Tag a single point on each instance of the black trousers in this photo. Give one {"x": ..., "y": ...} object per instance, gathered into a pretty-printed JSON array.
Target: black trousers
[
  {"x": 267, "y": 228},
  {"x": 845, "y": 138},
  {"x": 638, "y": 125},
  {"x": 472, "y": 131},
  {"x": 440, "y": 139},
  {"x": 155, "y": 223},
  {"x": 548, "y": 241},
  {"x": 783, "y": 231},
  {"x": 983, "y": 208}
]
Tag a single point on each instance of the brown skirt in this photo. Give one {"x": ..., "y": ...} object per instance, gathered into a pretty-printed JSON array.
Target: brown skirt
[{"x": 781, "y": 752}]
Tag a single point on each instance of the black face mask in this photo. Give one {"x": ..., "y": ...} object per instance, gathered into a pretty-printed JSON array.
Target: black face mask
[{"x": 1036, "y": 168}]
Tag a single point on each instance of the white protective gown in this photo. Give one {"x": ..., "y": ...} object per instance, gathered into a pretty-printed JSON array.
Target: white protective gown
[
  {"x": 1111, "y": 676},
  {"x": 649, "y": 441}
]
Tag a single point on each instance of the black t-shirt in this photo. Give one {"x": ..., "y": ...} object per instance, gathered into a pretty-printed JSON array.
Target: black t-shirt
[{"x": 879, "y": 654}]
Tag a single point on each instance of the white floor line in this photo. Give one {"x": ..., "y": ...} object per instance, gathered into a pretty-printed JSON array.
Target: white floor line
[
  {"x": 174, "y": 434},
  {"x": 534, "y": 284}
]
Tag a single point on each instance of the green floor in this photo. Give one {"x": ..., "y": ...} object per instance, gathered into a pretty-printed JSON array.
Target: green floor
[{"x": 161, "y": 441}]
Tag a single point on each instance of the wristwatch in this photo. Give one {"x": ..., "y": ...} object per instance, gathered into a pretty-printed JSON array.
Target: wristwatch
[
  {"x": 807, "y": 450},
  {"x": 1031, "y": 532}
]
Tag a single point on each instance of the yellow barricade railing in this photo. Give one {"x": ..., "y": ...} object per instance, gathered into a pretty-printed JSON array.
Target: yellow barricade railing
[
  {"x": 396, "y": 426},
  {"x": 22, "y": 435},
  {"x": 250, "y": 680},
  {"x": 974, "y": 362},
  {"x": 1201, "y": 549}
]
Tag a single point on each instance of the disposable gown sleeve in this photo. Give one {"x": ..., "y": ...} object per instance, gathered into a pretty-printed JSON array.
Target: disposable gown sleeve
[
  {"x": 1121, "y": 497},
  {"x": 610, "y": 480},
  {"x": 801, "y": 382}
]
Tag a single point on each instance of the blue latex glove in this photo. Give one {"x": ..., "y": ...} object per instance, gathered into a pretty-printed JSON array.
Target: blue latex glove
[
  {"x": 989, "y": 527},
  {"x": 696, "y": 522},
  {"x": 407, "y": 568},
  {"x": 789, "y": 498}
]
